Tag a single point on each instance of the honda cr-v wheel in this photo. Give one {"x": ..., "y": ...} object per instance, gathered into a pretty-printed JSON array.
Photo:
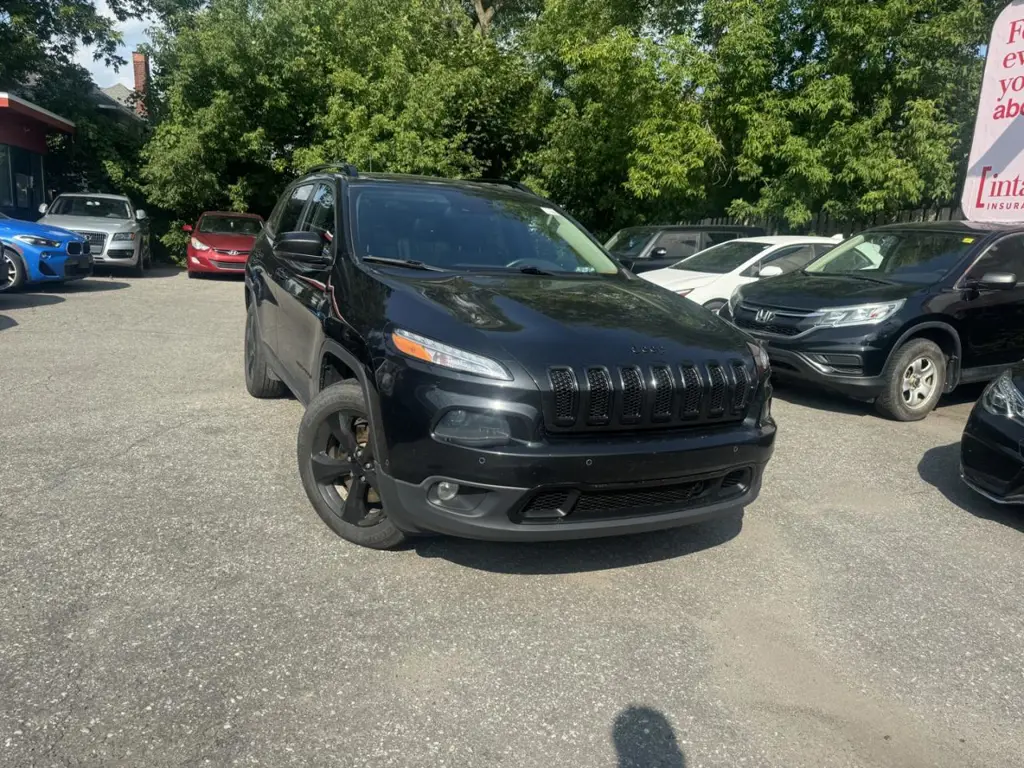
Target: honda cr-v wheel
[
  {"x": 339, "y": 470},
  {"x": 915, "y": 378}
]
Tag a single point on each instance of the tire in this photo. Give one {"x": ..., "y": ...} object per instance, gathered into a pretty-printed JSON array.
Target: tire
[
  {"x": 918, "y": 361},
  {"x": 140, "y": 268},
  {"x": 12, "y": 271},
  {"x": 715, "y": 304},
  {"x": 257, "y": 376},
  {"x": 337, "y": 417}
]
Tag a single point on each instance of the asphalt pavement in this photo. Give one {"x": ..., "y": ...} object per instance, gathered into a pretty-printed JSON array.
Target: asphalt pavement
[{"x": 168, "y": 596}]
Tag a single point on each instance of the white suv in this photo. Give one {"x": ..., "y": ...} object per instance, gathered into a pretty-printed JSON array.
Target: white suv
[{"x": 117, "y": 231}]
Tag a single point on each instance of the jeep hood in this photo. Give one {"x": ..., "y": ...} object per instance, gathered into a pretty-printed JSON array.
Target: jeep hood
[
  {"x": 539, "y": 321},
  {"x": 815, "y": 291}
]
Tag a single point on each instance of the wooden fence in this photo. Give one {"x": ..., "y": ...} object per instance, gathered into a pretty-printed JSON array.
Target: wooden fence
[{"x": 825, "y": 225}]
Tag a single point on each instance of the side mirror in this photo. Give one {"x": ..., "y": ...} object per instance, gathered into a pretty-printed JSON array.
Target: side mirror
[
  {"x": 186, "y": 227},
  {"x": 139, "y": 214},
  {"x": 42, "y": 207},
  {"x": 996, "y": 281},
  {"x": 770, "y": 271},
  {"x": 303, "y": 247},
  {"x": 659, "y": 253}
]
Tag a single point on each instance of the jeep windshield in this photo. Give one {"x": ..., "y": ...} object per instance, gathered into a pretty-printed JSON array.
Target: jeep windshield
[
  {"x": 471, "y": 229},
  {"x": 721, "y": 259},
  {"x": 904, "y": 256},
  {"x": 79, "y": 205}
]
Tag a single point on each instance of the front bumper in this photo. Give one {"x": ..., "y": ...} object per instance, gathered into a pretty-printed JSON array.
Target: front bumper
[
  {"x": 589, "y": 488},
  {"x": 57, "y": 267},
  {"x": 992, "y": 456},
  {"x": 848, "y": 361},
  {"x": 213, "y": 262}
]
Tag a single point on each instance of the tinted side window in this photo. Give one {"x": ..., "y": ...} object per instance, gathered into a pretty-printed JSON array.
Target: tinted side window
[
  {"x": 678, "y": 245},
  {"x": 320, "y": 218},
  {"x": 1005, "y": 256},
  {"x": 714, "y": 238},
  {"x": 288, "y": 216}
]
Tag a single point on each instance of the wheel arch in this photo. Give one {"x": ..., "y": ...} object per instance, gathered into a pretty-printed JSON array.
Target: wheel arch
[
  {"x": 6, "y": 248},
  {"x": 948, "y": 340},
  {"x": 338, "y": 364}
]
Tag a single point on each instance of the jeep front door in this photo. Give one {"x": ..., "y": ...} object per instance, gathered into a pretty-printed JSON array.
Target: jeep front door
[{"x": 304, "y": 287}]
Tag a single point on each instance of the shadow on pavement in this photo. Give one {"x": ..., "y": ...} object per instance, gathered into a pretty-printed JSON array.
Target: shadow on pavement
[
  {"x": 7, "y": 322},
  {"x": 644, "y": 738},
  {"x": 159, "y": 270},
  {"x": 801, "y": 394},
  {"x": 226, "y": 277},
  {"x": 88, "y": 285},
  {"x": 25, "y": 300},
  {"x": 585, "y": 554},
  {"x": 940, "y": 467}
]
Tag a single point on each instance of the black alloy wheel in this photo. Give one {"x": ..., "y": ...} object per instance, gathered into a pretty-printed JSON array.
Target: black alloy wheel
[
  {"x": 339, "y": 470},
  {"x": 344, "y": 469}
]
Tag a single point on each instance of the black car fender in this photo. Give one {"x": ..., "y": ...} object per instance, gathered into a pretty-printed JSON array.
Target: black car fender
[
  {"x": 953, "y": 365},
  {"x": 358, "y": 368}
]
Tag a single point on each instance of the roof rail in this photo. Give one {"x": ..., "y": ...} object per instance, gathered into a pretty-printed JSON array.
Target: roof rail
[
  {"x": 346, "y": 168},
  {"x": 507, "y": 183}
]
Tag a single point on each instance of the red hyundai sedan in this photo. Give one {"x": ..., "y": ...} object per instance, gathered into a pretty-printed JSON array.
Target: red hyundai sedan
[{"x": 221, "y": 242}]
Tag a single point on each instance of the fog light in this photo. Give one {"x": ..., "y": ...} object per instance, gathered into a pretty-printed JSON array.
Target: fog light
[
  {"x": 195, "y": 260},
  {"x": 447, "y": 491},
  {"x": 479, "y": 430}
]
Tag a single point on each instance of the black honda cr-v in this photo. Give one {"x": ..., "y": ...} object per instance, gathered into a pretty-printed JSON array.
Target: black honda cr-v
[
  {"x": 473, "y": 363},
  {"x": 898, "y": 314}
]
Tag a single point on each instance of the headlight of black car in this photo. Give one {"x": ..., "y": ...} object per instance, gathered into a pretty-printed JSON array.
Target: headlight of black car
[{"x": 1002, "y": 398}]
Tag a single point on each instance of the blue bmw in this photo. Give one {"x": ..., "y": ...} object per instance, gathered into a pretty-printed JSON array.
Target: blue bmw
[{"x": 36, "y": 253}]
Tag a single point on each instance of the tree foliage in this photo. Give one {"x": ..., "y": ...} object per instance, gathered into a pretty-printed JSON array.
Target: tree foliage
[{"x": 625, "y": 111}]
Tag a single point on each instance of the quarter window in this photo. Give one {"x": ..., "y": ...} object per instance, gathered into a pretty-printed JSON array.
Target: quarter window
[
  {"x": 291, "y": 211},
  {"x": 678, "y": 245},
  {"x": 787, "y": 259},
  {"x": 320, "y": 218}
]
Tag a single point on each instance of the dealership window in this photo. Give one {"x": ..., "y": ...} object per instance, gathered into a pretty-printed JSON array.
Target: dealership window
[{"x": 6, "y": 194}]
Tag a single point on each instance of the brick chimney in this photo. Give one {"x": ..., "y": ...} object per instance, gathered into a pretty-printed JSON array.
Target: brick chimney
[{"x": 140, "y": 63}]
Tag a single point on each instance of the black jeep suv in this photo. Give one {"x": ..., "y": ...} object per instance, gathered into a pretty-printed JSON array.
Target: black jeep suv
[
  {"x": 898, "y": 314},
  {"x": 473, "y": 363}
]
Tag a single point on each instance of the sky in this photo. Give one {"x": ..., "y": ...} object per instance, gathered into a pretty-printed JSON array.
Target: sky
[{"x": 134, "y": 32}]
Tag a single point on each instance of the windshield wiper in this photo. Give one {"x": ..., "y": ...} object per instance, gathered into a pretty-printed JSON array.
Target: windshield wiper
[
  {"x": 855, "y": 275},
  {"x": 408, "y": 263},
  {"x": 530, "y": 270}
]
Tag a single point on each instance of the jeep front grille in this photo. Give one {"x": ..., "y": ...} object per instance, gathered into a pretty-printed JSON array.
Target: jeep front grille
[{"x": 635, "y": 397}]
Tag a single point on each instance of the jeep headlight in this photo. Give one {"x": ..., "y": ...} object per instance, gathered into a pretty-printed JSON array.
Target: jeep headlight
[
  {"x": 38, "y": 242},
  {"x": 1002, "y": 398},
  {"x": 123, "y": 236},
  {"x": 863, "y": 314},
  {"x": 431, "y": 351}
]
